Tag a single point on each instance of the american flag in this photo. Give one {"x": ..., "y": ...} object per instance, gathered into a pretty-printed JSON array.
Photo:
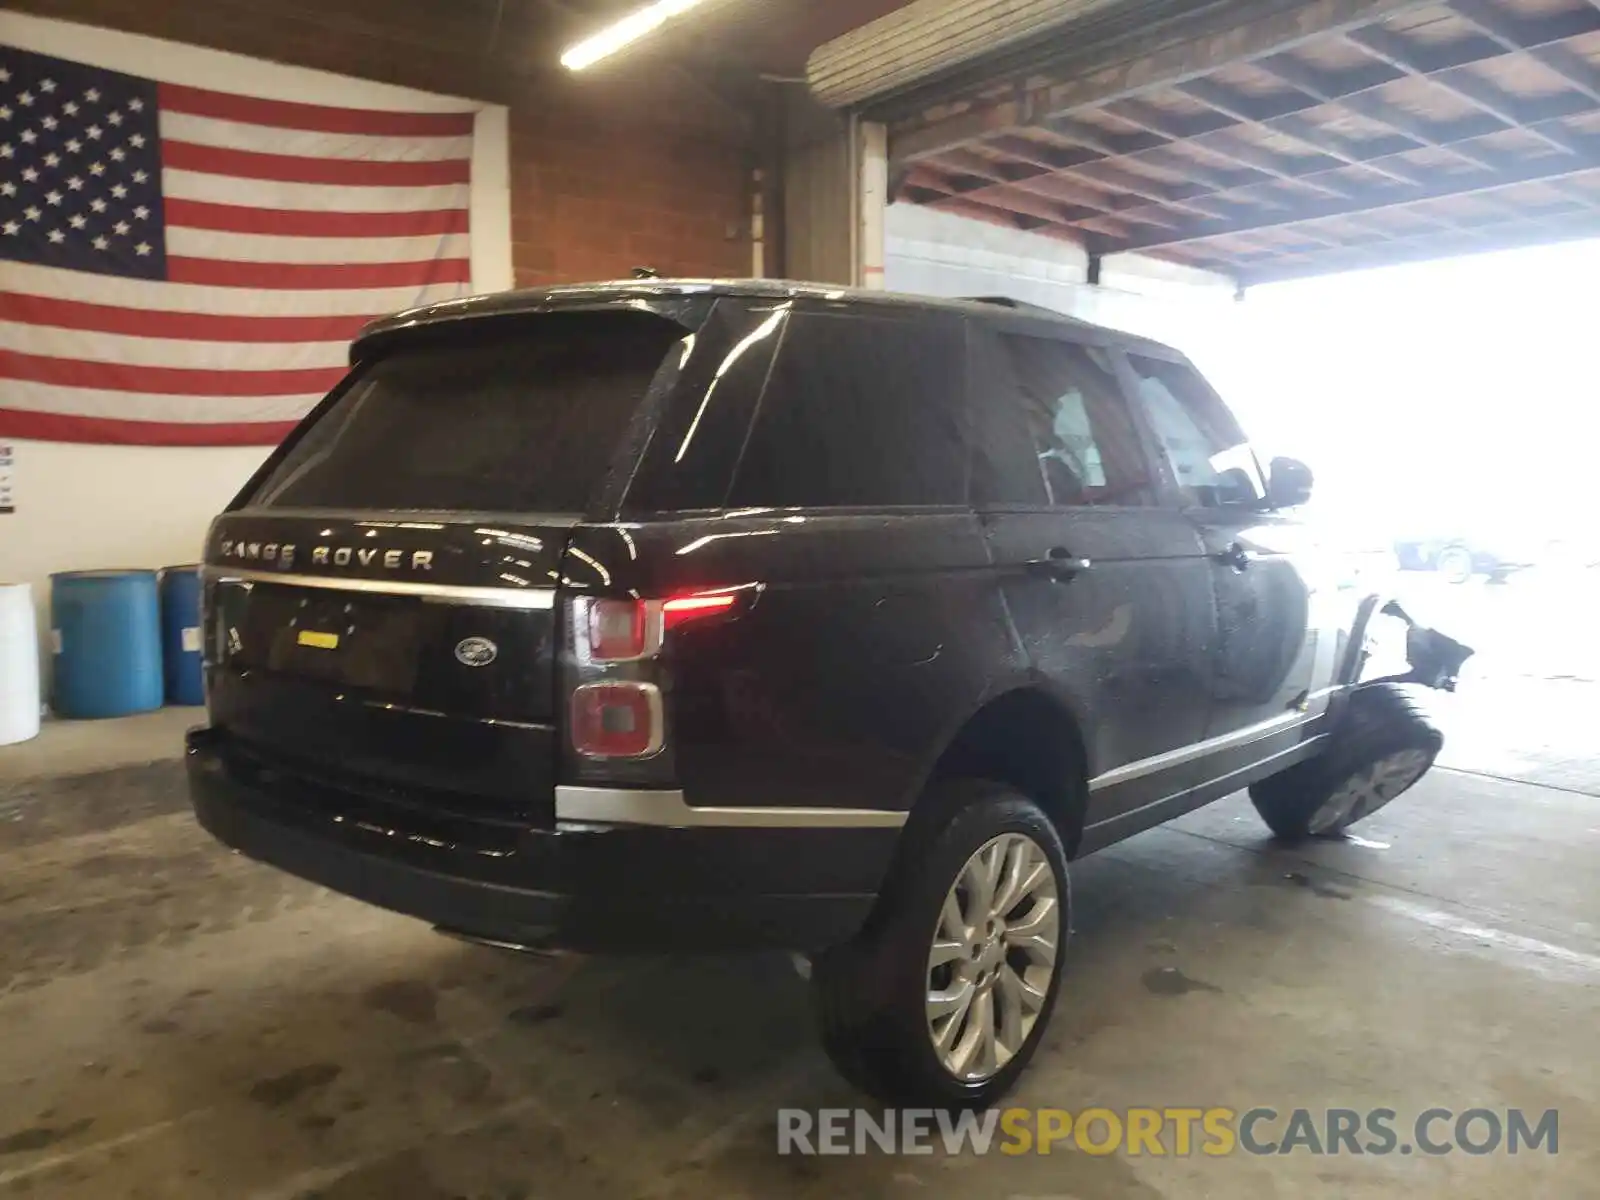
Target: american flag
[{"x": 182, "y": 266}]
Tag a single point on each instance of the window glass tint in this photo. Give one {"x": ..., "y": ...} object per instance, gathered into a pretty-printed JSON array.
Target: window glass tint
[
  {"x": 1210, "y": 457},
  {"x": 1006, "y": 471},
  {"x": 701, "y": 434},
  {"x": 1075, "y": 428},
  {"x": 523, "y": 415},
  {"x": 859, "y": 411}
]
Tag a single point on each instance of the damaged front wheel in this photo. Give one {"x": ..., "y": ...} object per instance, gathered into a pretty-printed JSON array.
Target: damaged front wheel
[{"x": 1384, "y": 743}]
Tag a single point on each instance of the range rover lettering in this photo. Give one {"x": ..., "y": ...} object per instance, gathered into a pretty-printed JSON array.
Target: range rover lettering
[{"x": 678, "y": 616}]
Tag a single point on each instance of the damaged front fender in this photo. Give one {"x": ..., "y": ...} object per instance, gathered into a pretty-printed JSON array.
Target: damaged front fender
[{"x": 1435, "y": 658}]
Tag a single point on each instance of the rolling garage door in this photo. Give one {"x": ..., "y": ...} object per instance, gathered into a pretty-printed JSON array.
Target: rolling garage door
[{"x": 934, "y": 39}]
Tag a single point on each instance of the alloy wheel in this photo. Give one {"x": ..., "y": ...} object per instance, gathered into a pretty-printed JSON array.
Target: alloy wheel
[
  {"x": 1369, "y": 789},
  {"x": 1455, "y": 564},
  {"x": 993, "y": 957}
]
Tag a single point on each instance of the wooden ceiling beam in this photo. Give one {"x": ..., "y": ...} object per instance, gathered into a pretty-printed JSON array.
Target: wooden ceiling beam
[{"x": 1508, "y": 174}]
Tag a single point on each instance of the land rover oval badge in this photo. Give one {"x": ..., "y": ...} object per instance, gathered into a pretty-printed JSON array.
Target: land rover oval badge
[{"x": 476, "y": 651}]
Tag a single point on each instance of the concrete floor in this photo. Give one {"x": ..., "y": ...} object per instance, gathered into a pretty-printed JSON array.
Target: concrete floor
[
  {"x": 179, "y": 1022},
  {"x": 85, "y": 747}
]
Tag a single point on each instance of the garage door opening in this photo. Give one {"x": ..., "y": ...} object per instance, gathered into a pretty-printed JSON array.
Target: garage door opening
[{"x": 1447, "y": 409}]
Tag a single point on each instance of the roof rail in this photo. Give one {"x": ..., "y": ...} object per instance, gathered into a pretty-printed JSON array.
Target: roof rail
[{"x": 1011, "y": 302}]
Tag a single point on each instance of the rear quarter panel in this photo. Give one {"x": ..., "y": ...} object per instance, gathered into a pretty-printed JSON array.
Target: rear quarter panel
[{"x": 866, "y": 640}]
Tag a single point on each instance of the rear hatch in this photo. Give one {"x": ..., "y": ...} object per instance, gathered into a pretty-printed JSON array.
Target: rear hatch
[{"x": 381, "y": 604}]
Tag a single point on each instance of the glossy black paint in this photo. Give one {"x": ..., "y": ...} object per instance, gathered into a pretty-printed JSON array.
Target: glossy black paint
[
  {"x": 392, "y": 700},
  {"x": 1124, "y": 642},
  {"x": 1289, "y": 483},
  {"x": 865, "y": 639},
  {"x": 596, "y": 889},
  {"x": 1265, "y": 758},
  {"x": 1111, "y": 601},
  {"x": 516, "y": 552},
  {"x": 1271, "y": 660},
  {"x": 1266, "y": 663},
  {"x": 864, "y": 642}
]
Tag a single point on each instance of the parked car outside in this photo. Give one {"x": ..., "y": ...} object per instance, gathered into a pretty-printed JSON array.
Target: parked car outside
[{"x": 1457, "y": 559}]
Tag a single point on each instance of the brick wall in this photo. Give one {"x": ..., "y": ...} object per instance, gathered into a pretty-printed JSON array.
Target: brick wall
[
  {"x": 595, "y": 202},
  {"x": 639, "y": 167}
]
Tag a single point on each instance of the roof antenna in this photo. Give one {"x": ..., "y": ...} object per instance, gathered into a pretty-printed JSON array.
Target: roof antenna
[{"x": 646, "y": 273}]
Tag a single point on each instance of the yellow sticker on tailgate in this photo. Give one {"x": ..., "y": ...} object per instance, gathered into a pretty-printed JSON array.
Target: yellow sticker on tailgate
[{"x": 319, "y": 641}]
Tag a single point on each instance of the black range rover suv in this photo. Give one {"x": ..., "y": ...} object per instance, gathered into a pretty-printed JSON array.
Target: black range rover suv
[{"x": 701, "y": 616}]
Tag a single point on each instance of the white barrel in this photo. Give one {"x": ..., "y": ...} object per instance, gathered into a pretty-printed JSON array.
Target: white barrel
[{"x": 19, "y": 665}]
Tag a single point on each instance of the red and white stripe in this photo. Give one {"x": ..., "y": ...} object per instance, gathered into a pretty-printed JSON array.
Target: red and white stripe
[{"x": 288, "y": 227}]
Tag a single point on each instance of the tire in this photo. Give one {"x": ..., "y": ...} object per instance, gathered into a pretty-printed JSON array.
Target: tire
[
  {"x": 1385, "y": 743},
  {"x": 1454, "y": 564},
  {"x": 872, "y": 994}
]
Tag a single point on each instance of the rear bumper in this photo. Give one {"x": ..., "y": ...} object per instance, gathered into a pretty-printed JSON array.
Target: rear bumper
[{"x": 596, "y": 887}]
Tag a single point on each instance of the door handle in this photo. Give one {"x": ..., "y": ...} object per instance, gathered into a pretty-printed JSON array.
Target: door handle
[
  {"x": 1058, "y": 565},
  {"x": 1235, "y": 556}
]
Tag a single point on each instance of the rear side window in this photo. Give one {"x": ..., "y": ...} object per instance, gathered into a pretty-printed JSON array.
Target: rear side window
[
  {"x": 697, "y": 442},
  {"x": 1057, "y": 428},
  {"x": 859, "y": 411},
  {"x": 522, "y": 415}
]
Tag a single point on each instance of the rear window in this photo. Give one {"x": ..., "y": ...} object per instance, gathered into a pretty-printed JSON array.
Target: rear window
[{"x": 522, "y": 415}]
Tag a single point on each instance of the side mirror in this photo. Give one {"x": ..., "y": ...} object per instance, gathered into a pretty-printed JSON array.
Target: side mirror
[{"x": 1289, "y": 483}]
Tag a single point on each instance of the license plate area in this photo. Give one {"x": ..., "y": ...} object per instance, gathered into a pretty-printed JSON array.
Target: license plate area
[
  {"x": 366, "y": 642},
  {"x": 460, "y": 660}
]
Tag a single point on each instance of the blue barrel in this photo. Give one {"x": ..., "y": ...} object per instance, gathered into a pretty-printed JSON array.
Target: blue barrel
[
  {"x": 106, "y": 630},
  {"x": 180, "y": 634}
]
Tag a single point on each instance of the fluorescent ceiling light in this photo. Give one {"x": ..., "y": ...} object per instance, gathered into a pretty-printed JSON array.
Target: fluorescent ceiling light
[{"x": 624, "y": 33}]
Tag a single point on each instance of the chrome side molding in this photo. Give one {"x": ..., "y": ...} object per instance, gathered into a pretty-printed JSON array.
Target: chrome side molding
[
  {"x": 1186, "y": 754},
  {"x": 636, "y": 806}
]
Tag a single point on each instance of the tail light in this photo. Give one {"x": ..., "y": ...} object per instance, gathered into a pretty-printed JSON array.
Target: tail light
[
  {"x": 628, "y": 630},
  {"x": 617, "y": 720},
  {"x": 683, "y": 609},
  {"x": 619, "y": 630},
  {"x": 622, "y": 717}
]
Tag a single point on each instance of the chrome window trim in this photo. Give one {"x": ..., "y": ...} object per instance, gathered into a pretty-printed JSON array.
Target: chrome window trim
[
  {"x": 433, "y": 593},
  {"x": 637, "y": 806},
  {"x": 1202, "y": 749}
]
